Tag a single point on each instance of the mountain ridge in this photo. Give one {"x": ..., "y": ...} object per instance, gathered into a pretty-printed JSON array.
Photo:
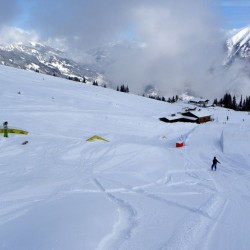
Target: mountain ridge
[
  {"x": 238, "y": 45},
  {"x": 45, "y": 59}
]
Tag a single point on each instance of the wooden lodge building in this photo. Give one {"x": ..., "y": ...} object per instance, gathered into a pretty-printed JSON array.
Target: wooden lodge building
[
  {"x": 200, "y": 116},
  {"x": 199, "y": 102},
  {"x": 189, "y": 116}
]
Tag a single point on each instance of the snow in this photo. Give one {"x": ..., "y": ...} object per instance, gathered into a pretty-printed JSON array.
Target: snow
[
  {"x": 137, "y": 191},
  {"x": 195, "y": 99},
  {"x": 241, "y": 37},
  {"x": 174, "y": 117},
  {"x": 33, "y": 66},
  {"x": 60, "y": 67},
  {"x": 200, "y": 113},
  {"x": 237, "y": 41},
  {"x": 236, "y": 139}
]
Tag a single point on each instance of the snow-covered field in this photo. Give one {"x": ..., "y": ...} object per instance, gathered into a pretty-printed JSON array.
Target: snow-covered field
[{"x": 135, "y": 192}]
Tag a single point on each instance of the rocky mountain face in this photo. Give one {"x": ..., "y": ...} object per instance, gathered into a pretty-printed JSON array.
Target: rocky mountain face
[
  {"x": 238, "y": 45},
  {"x": 47, "y": 60}
]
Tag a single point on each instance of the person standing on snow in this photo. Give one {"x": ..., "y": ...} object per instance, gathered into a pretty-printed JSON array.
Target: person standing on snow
[
  {"x": 5, "y": 129},
  {"x": 215, "y": 161}
]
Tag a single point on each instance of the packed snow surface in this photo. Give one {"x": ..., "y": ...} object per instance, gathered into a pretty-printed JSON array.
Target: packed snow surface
[{"x": 135, "y": 192}]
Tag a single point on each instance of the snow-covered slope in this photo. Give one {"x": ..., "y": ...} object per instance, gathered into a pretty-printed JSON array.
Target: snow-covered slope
[
  {"x": 239, "y": 44},
  {"x": 137, "y": 191}
]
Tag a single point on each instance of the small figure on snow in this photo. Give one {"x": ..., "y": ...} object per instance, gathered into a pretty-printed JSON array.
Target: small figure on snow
[
  {"x": 5, "y": 129},
  {"x": 215, "y": 161}
]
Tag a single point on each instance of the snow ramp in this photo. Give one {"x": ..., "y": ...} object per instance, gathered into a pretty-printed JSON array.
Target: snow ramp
[
  {"x": 95, "y": 138},
  {"x": 15, "y": 131}
]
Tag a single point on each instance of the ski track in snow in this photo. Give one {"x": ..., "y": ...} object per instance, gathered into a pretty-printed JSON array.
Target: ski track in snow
[
  {"x": 196, "y": 231},
  {"x": 198, "y": 227},
  {"x": 138, "y": 174},
  {"x": 127, "y": 222},
  {"x": 195, "y": 228},
  {"x": 123, "y": 229}
]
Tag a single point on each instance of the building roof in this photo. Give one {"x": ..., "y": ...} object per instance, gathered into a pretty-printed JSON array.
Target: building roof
[
  {"x": 199, "y": 114},
  {"x": 179, "y": 117},
  {"x": 173, "y": 117},
  {"x": 199, "y": 100},
  {"x": 191, "y": 116}
]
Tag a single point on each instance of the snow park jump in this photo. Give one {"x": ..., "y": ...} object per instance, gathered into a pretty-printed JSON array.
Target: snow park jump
[
  {"x": 96, "y": 137},
  {"x": 15, "y": 131}
]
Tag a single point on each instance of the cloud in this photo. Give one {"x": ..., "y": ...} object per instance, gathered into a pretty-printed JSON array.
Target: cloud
[
  {"x": 184, "y": 49},
  {"x": 183, "y": 42},
  {"x": 13, "y": 35},
  {"x": 92, "y": 22}
]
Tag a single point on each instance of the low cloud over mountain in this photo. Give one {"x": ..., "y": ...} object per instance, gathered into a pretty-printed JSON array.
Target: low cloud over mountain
[{"x": 164, "y": 43}]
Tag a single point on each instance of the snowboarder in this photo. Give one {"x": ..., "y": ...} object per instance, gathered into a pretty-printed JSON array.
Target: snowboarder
[
  {"x": 5, "y": 129},
  {"x": 215, "y": 161}
]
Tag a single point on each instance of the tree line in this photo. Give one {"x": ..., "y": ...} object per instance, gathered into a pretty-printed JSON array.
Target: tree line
[
  {"x": 159, "y": 98},
  {"x": 230, "y": 102},
  {"x": 125, "y": 89}
]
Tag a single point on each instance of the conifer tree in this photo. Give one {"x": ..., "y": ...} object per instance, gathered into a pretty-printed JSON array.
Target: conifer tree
[
  {"x": 122, "y": 88},
  {"x": 240, "y": 104},
  {"x": 126, "y": 89},
  {"x": 234, "y": 104}
]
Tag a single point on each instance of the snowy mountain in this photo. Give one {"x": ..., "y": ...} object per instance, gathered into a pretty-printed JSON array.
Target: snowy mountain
[
  {"x": 107, "y": 62},
  {"x": 42, "y": 58},
  {"x": 45, "y": 59},
  {"x": 239, "y": 44},
  {"x": 135, "y": 192}
]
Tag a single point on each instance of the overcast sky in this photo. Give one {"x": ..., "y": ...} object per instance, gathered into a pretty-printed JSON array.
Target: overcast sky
[
  {"x": 183, "y": 39},
  {"x": 94, "y": 21}
]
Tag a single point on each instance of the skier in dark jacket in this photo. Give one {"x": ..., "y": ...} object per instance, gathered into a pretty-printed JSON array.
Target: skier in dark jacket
[
  {"x": 215, "y": 161},
  {"x": 5, "y": 129}
]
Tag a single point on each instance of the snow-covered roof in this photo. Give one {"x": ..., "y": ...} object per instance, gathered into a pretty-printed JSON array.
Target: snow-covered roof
[
  {"x": 173, "y": 117},
  {"x": 179, "y": 116},
  {"x": 197, "y": 100},
  {"x": 199, "y": 114}
]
